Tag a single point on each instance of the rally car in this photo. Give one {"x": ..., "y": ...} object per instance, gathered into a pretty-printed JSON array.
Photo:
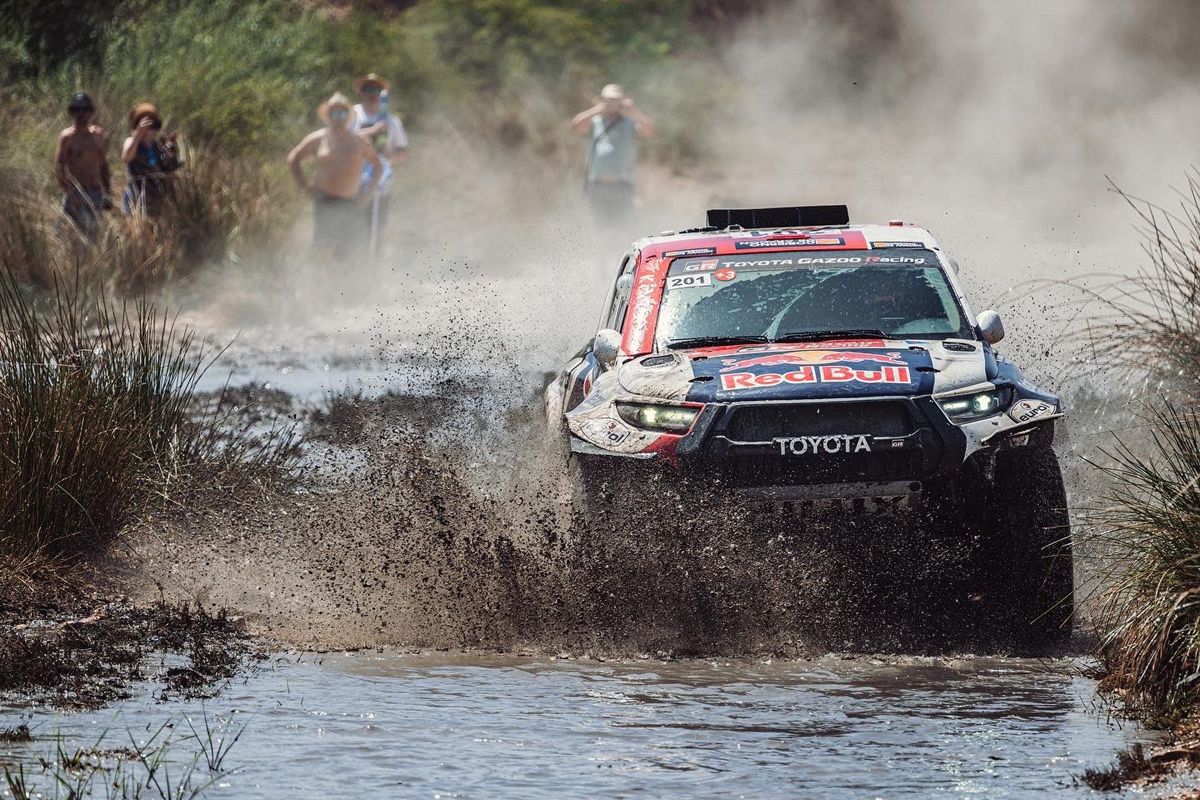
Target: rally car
[{"x": 785, "y": 356}]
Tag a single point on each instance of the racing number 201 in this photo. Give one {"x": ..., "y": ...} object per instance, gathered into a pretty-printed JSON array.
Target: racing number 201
[{"x": 689, "y": 281}]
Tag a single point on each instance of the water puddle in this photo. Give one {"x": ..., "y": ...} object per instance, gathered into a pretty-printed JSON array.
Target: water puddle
[{"x": 438, "y": 725}]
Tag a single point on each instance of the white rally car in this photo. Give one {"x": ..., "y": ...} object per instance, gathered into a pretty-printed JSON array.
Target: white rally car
[{"x": 787, "y": 356}]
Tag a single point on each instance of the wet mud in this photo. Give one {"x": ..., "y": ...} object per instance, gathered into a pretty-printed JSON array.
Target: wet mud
[
  {"x": 447, "y": 520},
  {"x": 87, "y": 651}
]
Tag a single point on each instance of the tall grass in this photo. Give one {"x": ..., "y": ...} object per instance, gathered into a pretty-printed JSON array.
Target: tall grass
[
  {"x": 97, "y": 415},
  {"x": 1151, "y": 321},
  {"x": 219, "y": 210},
  {"x": 1148, "y": 528},
  {"x": 1150, "y": 531}
]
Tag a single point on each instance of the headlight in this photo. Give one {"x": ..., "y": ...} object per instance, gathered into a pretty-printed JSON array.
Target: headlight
[
  {"x": 671, "y": 419},
  {"x": 976, "y": 406}
]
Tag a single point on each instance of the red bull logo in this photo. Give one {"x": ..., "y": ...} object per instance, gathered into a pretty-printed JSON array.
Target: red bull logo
[
  {"x": 824, "y": 373},
  {"x": 805, "y": 357}
]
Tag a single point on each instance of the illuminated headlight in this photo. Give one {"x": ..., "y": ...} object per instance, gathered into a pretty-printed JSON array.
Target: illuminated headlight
[
  {"x": 976, "y": 406},
  {"x": 671, "y": 419}
]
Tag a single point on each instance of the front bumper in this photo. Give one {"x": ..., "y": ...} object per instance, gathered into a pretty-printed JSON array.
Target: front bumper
[
  {"x": 815, "y": 449},
  {"x": 854, "y": 447}
]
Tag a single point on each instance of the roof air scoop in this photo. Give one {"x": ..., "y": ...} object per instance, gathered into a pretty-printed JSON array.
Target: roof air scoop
[{"x": 785, "y": 217}]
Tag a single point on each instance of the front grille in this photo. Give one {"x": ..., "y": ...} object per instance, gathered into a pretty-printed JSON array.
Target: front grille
[
  {"x": 740, "y": 454},
  {"x": 762, "y": 423},
  {"x": 770, "y": 470}
]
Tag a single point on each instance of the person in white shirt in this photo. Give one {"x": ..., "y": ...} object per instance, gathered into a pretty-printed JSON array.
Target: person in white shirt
[{"x": 385, "y": 131}]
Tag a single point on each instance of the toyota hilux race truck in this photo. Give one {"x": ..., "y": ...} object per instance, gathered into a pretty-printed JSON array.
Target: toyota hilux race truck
[{"x": 785, "y": 356}]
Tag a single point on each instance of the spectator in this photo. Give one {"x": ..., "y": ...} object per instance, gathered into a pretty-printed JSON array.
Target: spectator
[
  {"x": 151, "y": 160},
  {"x": 385, "y": 131},
  {"x": 81, "y": 168},
  {"x": 612, "y": 125},
  {"x": 336, "y": 189}
]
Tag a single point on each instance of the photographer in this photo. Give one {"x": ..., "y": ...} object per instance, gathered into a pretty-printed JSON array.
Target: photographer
[
  {"x": 612, "y": 126},
  {"x": 150, "y": 161},
  {"x": 81, "y": 168}
]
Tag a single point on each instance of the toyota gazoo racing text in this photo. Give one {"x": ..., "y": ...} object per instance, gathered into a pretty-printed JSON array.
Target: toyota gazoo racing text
[{"x": 824, "y": 363}]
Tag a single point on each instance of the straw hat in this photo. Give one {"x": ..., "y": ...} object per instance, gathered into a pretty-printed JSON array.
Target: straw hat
[
  {"x": 336, "y": 99},
  {"x": 143, "y": 110},
  {"x": 612, "y": 91},
  {"x": 371, "y": 77}
]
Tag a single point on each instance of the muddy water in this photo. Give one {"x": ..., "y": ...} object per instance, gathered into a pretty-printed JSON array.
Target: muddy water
[
  {"x": 392, "y": 725},
  {"x": 383, "y": 724}
]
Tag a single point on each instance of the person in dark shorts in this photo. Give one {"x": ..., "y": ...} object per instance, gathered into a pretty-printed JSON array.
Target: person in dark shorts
[
  {"x": 151, "y": 160},
  {"x": 81, "y": 168},
  {"x": 612, "y": 127},
  {"x": 339, "y": 228},
  {"x": 374, "y": 122}
]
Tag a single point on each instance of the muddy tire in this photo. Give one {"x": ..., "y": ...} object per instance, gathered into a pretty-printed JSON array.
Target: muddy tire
[
  {"x": 1025, "y": 563},
  {"x": 596, "y": 502}
]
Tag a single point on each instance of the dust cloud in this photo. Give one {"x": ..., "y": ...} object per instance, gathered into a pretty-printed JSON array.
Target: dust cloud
[{"x": 994, "y": 125}]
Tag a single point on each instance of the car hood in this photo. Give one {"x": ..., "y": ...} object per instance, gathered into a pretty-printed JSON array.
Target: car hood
[{"x": 808, "y": 370}]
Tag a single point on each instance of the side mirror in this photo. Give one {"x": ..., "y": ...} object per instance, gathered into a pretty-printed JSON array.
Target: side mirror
[
  {"x": 606, "y": 346},
  {"x": 991, "y": 327}
]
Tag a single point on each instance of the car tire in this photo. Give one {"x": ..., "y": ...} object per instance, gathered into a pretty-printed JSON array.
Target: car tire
[
  {"x": 1026, "y": 563},
  {"x": 595, "y": 503}
]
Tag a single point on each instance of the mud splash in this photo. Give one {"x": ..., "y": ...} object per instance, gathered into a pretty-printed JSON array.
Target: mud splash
[{"x": 445, "y": 520}]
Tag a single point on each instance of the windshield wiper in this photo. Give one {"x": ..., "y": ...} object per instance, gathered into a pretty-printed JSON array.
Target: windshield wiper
[
  {"x": 816, "y": 336},
  {"x": 711, "y": 341}
]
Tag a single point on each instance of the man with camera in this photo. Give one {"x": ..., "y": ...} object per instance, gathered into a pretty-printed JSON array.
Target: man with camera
[
  {"x": 81, "y": 168},
  {"x": 612, "y": 126}
]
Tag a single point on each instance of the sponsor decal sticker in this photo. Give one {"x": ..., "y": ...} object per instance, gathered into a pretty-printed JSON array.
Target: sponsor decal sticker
[
  {"x": 823, "y": 373},
  {"x": 814, "y": 241},
  {"x": 777, "y": 232},
  {"x": 725, "y": 274},
  {"x": 643, "y": 303},
  {"x": 606, "y": 431},
  {"x": 913, "y": 245},
  {"x": 707, "y": 265},
  {"x": 695, "y": 251},
  {"x": 689, "y": 281},
  {"x": 802, "y": 356},
  {"x": 822, "y": 445},
  {"x": 780, "y": 262},
  {"x": 1026, "y": 410}
]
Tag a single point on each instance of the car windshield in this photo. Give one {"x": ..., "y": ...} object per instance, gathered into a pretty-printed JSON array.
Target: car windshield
[{"x": 896, "y": 292}]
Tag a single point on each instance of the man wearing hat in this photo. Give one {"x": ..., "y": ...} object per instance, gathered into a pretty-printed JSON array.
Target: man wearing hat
[
  {"x": 150, "y": 159},
  {"x": 612, "y": 126},
  {"x": 337, "y": 190},
  {"x": 385, "y": 131},
  {"x": 81, "y": 167}
]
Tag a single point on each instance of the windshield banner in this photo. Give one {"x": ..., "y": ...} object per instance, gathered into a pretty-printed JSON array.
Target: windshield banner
[{"x": 776, "y": 261}]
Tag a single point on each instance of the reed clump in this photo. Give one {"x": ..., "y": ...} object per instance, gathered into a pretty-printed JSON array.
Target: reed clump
[
  {"x": 218, "y": 210},
  {"x": 1148, "y": 527},
  {"x": 98, "y": 416}
]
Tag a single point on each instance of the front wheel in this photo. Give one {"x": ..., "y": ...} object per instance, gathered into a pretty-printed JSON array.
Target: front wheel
[{"x": 1026, "y": 564}]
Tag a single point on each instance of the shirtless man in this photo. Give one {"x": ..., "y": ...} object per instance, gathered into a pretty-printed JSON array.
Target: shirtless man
[
  {"x": 81, "y": 168},
  {"x": 337, "y": 191}
]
